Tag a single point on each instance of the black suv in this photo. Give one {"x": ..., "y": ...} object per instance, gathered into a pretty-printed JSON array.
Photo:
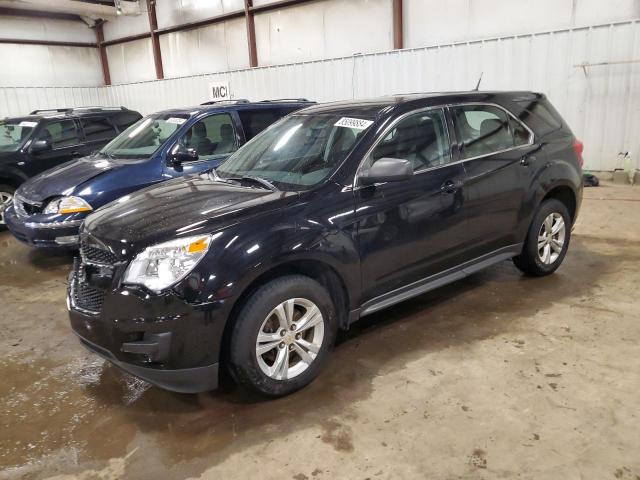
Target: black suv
[
  {"x": 46, "y": 138},
  {"x": 333, "y": 213}
]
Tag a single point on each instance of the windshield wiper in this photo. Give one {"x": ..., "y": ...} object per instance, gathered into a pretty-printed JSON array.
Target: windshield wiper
[
  {"x": 258, "y": 180},
  {"x": 261, "y": 181}
]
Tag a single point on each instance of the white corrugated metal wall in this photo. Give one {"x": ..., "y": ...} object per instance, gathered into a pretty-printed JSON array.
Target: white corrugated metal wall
[{"x": 601, "y": 103}]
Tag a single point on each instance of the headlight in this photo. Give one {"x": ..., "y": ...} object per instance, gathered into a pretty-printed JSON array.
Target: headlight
[
  {"x": 67, "y": 205},
  {"x": 162, "y": 265}
]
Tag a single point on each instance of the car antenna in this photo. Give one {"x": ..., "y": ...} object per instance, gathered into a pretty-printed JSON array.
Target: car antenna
[{"x": 478, "y": 84}]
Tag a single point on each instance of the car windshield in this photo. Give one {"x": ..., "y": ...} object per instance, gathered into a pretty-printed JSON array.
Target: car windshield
[
  {"x": 142, "y": 139},
  {"x": 297, "y": 152},
  {"x": 14, "y": 133}
]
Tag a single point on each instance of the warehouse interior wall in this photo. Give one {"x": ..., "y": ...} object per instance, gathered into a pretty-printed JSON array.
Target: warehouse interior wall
[
  {"x": 584, "y": 54},
  {"x": 46, "y": 65}
]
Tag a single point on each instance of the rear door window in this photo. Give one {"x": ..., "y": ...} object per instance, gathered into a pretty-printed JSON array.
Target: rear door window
[
  {"x": 97, "y": 129},
  {"x": 485, "y": 129},
  {"x": 61, "y": 134}
]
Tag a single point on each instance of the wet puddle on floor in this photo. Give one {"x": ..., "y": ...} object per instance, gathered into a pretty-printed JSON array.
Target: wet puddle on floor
[
  {"x": 22, "y": 266},
  {"x": 84, "y": 405}
]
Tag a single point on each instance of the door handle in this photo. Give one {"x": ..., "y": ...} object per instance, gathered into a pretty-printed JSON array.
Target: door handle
[
  {"x": 450, "y": 186},
  {"x": 524, "y": 161},
  {"x": 75, "y": 154}
]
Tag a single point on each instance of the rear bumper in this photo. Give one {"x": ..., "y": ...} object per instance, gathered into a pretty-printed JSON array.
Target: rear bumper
[
  {"x": 184, "y": 380},
  {"x": 59, "y": 235}
]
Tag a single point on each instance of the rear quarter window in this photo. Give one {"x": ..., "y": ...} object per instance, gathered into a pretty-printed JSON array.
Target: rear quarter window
[
  {"x": 97, "y": 129},
  {"x": 124, "y": 120},
  {"x": 255, "y": 121},
  {"x": 540, "y": 116}
]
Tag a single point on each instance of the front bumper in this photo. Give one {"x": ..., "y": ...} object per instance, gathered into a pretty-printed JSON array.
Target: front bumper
[
  {"x": 60, "y": 235},
  {"x": 184, "y": 380},
  {"x": 159, "y": 338}
]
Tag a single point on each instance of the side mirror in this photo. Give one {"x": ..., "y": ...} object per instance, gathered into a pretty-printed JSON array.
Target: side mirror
[
  {"x": 40, "y": 146},
  {"x": 181, "y": 155},
  {"x": 387, "y": 170}
]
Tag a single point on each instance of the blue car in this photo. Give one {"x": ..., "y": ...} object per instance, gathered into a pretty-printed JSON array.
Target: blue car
[{"x": 48, "y": 209}]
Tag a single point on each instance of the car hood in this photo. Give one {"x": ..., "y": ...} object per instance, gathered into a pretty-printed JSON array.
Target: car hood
[
  {"x": 63, "y": 180},
  {"x": 177, "y": 208}
]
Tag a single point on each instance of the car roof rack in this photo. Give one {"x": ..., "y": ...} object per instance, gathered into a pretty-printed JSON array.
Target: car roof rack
[
  {"x": 76, "y": 109},
  {"x": 235, "y": 100},
  {"x": 56, "y": 110},
  {"x": 285, "y": 100}
]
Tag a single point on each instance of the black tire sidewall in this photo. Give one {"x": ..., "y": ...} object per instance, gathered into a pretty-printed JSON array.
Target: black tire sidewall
[
  {"x": 531, "y": 247},
  {"x": 242, "y": 362}
]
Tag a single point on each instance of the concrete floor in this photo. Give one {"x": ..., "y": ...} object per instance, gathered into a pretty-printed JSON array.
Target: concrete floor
[{"x": 496, "y": 376}]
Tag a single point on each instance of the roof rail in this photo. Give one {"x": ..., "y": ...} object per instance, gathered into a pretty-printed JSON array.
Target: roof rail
[
  {"x": 286, "y": 100},
  {"x": 58, "y": 110},
  {"x": 76, "y": 109},
  {"x": 235, "y": 100},
  {"x": 98, "y": 109}
]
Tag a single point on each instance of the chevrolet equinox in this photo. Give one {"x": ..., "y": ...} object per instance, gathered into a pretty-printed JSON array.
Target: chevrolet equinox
[{"x": 333, "y": 213}]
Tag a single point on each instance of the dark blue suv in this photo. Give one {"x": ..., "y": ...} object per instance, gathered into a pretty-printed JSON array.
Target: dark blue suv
[{"x": 48, "y": 209}]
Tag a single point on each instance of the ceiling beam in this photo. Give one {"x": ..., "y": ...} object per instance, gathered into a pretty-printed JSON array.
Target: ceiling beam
[
  {"x": 278, "y": 4},
  {"x": 200, "y": 23},
  {"x": 15, "y": 12},
  {"x": 75, "y": 7},
  {"x": 50, "y": 43}
]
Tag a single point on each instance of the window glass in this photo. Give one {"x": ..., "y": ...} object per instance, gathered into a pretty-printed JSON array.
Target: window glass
[
  {"x": 143, "y": 138},
  {"x": 520, "y": 133},
  {"x": 298, "y": 152},
  {"x": 97, "y": 128},
  {"x": 420, "y": 138},
  {"x": 211, "y": 136},
  {"x": 255, "y": 121},
  {"x": 484, "y": 129},
  {"x": 540, "y": 115},
  {"x": 61, "y": 134},
  {"x": 125, "y": 119},
  {"x": 14, "y": 133}
]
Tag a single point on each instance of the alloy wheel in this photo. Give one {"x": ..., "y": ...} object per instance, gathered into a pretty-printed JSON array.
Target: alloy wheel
[
  {"x": 5, "y": 199},
  {"x": 290, "y": 339},
  {"x": 551, "y": 238}
]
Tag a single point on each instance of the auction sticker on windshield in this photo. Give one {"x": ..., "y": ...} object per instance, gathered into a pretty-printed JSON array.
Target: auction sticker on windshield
[
  {"x": 356, "y": 123},
  {"x": 176, "y": 120}
]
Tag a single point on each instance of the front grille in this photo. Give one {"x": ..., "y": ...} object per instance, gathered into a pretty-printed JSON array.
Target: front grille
[
  {"x": 90, "y": 254},
  {"x": 85, "y": 297},
  {"x": 95, "y": 263}
]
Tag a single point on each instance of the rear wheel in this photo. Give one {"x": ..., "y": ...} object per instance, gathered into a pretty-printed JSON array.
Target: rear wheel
[
  {"x": 282, "y": 336},
  {"x": 6, "y": 195},
  {"x": 547, "y": 240}
]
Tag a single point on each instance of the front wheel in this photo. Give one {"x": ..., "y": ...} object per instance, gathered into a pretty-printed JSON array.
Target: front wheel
[
  {"x": 282, "y": 336},
  {"x": 6, "y": 195},
  {"x": 547, "y": 240}
]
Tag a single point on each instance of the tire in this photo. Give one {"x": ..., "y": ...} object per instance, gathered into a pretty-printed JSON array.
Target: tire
[
  {"x": 6, "y": 194},
  {"x": 264, "y": 374},
  {"x": 534, "y": 261}
]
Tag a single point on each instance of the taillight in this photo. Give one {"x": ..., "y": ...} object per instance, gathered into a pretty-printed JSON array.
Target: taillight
[{"x": 578, "y": 147}]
